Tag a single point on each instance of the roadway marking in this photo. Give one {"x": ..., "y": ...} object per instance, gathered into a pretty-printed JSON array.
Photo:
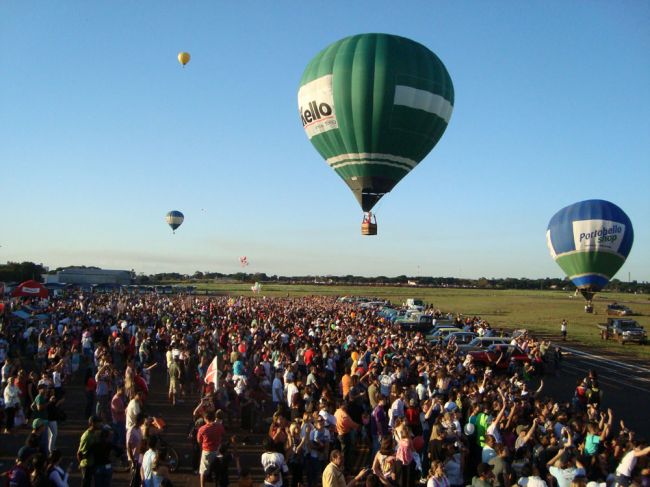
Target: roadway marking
[
  {"x": 600, "y": 358},
  {"x": 625, "y": 375}
]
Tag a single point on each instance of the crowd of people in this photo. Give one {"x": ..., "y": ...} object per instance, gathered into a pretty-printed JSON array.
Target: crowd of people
[{"x": 340, "y": 395}]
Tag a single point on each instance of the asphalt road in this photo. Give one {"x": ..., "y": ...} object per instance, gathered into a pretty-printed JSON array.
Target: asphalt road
[{"x": 625, "y": 384}]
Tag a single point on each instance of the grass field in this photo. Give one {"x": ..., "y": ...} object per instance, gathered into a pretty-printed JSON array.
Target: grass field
[{"x": 539, "y": 311}]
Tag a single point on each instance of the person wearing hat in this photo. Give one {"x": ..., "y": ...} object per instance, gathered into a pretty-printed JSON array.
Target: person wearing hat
[
  {"x": 525, "y": 434},
  {"x": 484, "y": 476},
  {"x": 85, "y": 452},
  {"x": 39, "y": 433}
]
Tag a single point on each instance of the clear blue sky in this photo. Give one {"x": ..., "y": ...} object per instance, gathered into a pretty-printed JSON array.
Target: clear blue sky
[{"x": 102, "y": 132}]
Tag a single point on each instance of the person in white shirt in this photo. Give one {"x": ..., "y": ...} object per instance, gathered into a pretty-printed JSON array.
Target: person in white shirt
[
  {"x": 625, "y": 468},
  {"x": 133, "y": 409},
  {"x": 11, "y": 395},
  {"x": 290, "y": 390},
  {"x": 148, "y": 460}
]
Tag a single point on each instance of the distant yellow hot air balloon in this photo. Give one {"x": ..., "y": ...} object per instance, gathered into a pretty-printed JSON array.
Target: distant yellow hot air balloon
[{"x": 183, "y": 58}]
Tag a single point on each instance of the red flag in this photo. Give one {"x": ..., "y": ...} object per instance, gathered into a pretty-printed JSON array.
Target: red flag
[{"x": 212, "y": 374}]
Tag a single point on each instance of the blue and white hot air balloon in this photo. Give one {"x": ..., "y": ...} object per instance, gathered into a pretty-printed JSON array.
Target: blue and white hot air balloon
[
  {"x": 174, "y": 219},
  {"x": 590, "y": 241}
]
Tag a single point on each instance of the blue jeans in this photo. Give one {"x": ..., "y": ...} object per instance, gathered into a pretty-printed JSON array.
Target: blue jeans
[{"x": 119, "y": 436}]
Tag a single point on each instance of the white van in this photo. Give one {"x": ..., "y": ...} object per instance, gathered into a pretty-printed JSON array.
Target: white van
[{"x": 412, "y": 303}]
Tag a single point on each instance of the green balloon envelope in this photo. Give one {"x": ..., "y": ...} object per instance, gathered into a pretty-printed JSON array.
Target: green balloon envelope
[{"x": 373, "y": 106}]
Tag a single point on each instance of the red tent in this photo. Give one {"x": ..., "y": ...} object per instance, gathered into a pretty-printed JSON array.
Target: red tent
[{"x": 30, "y": 289}]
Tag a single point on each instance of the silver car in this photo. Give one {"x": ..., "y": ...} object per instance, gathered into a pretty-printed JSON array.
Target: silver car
[{"x": 479, "y": 343}]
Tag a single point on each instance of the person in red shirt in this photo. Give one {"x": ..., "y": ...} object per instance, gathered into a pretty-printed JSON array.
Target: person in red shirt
[
  {"x": 309, "y": 356},
  {"x": 412, "y": 416},
  {"x": 209, "y": 437}
]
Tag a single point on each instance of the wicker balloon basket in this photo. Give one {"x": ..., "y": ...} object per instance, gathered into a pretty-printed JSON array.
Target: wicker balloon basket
[{"x": 368, "y": 228}]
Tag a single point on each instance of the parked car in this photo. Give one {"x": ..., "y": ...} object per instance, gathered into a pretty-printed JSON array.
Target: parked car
[
  {"x": 441, "y": 333},
  {"x": 460, "y": 337},
  {"x": 417, "y": 322},
  {"x": 480, "y": 343},
  {"x": 623, "y": 331},
  {"x": 499, "y": 356},
  {"x": 616, "y": 309}
]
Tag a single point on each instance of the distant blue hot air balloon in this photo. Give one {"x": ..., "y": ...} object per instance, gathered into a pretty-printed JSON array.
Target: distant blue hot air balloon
[
  {"x": 590, "y": 241},
  {"x": 174, "y": 219}
]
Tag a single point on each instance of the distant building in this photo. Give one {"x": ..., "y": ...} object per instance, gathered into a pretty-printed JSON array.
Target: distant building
[{"x": 78, "y": 275}]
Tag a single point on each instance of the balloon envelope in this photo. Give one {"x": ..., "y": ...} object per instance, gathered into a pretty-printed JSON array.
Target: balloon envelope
[
  {"x": 373, "y": 106},
  {"x": 183, "y": 58},
  {"x": 590, "y": 241},
  {"x": 174, "y": 219}
]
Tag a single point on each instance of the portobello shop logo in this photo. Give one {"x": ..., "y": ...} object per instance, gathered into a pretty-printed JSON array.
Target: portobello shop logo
[
  {"x": 316, "y": 106},
  {"x": 593, "y": 234}
]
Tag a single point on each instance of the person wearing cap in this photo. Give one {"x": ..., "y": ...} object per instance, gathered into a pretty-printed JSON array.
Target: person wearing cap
[
  {"x": 85, "y": 452},
  {"x": 525, "y": 434},
  {"x": 39, "y": 427},
  {"x": 484, "y": 476},
  {"x": 333, "y": 475}
]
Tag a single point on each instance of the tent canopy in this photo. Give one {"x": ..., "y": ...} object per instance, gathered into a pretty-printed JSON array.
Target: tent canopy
[{"x": 30, "y": 289}]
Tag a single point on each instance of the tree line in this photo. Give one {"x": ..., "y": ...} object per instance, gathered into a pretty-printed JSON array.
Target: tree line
[{"x": 23, "y": 271}]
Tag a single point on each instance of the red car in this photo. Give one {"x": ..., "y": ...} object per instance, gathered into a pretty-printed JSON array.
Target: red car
[{"x": 499, "y": 356}]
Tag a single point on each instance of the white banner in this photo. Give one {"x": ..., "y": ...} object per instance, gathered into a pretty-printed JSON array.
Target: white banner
[
  {"x": 598, "y": 235},
  {"x": 316, "y": 106}
]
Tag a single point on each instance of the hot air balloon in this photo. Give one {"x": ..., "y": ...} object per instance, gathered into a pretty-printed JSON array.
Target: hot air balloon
[
  {"x": 174, "y": 219},
  {"x": 373, "y": 106},
  {"x": 183, "y": 58},
  {"x": 590, "y": 241},
  {"x": 243, "y": 261}
]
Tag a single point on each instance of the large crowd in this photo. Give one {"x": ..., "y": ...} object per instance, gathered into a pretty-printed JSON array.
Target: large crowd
[{"x": 341, "y": 396}]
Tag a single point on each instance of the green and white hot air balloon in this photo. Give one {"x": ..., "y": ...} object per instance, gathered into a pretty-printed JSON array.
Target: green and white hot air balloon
[{"x": 373, "y": 106}]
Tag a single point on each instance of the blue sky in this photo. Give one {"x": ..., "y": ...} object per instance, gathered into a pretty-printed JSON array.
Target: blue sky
[{"x": 102, "y": 132}]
